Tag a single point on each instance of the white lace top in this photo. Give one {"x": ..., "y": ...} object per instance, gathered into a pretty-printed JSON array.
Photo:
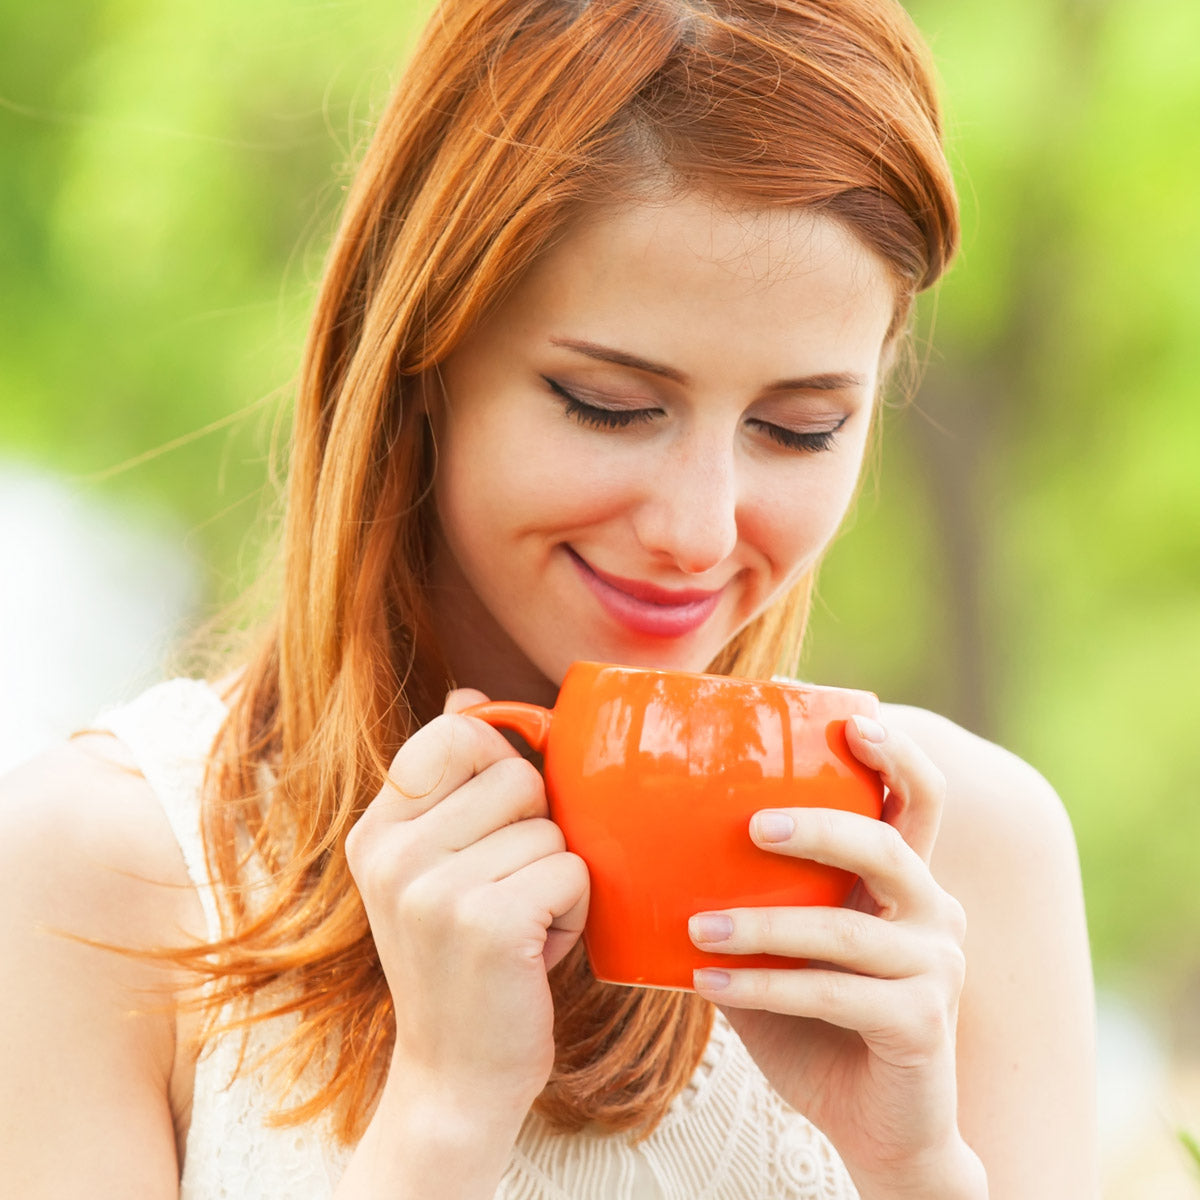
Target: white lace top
[{"x": 727, "y": 1136}]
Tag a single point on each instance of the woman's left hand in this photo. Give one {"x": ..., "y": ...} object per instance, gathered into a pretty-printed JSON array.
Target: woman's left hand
[{"x": 862, "y": 1041}]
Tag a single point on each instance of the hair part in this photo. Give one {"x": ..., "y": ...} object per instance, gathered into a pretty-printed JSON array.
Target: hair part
[{"x": 513, "y": 118}]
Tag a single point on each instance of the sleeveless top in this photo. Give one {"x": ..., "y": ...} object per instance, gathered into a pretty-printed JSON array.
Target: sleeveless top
[{"x": 726, "y": 1136}]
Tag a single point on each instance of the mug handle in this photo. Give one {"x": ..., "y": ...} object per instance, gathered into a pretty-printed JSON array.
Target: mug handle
[{"x": 531, "y": 721}]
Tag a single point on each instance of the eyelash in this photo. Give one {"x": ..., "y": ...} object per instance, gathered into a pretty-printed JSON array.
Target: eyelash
[
  {"x": 595, "y": 417},
  {"x": 810, "y": 441}
]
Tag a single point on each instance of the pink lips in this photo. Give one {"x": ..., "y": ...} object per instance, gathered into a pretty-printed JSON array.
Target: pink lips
[{"x": 645, "y": 608}]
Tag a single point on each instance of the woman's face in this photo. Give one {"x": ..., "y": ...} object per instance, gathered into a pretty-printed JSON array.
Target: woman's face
[{"x": 652, "y": 438}]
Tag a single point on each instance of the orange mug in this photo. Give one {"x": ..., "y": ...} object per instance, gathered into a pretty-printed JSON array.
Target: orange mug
[{"x": 653, "y": 777}]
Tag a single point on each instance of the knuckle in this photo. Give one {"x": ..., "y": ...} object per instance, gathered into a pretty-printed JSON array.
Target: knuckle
[
  {"x": 954, "y": 918},
  {"x": 539, "y": 838},
  {"x": 754, "y": 927},
  {"x": 578, "y": 876},
  {"x": 472, "y": 736},
  {"x": 424, "y": 901},
  {"x": 516, "y": 790},
  {"x": 422, "y": 762},
  {"x": 355, "y": 845},
  {"x": 369, "y": 868},
  {"x": 894, "y": 851},
  {"x": 757, "y": 988},
  {"x": 473, "y": 913},
  {"x": 955, "y": 967},
  {"x": 938, "y": 786},
  {"x": 550, "y": 837},
  {"x": 849, "y": 936},
  {"x": 929, "y": 1023},
  {"x": 821, "y": 826},
  {"x": 517, "y": 776},
  {"x": 829, "y": 991},
  {"x": 949, "y": 962}
]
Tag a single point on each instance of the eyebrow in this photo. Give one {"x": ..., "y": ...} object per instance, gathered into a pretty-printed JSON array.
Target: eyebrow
[{"x": 826, "y": 381}]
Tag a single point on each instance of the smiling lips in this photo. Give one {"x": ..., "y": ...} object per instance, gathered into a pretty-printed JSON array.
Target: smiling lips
[{"x": 644, "y": 608}]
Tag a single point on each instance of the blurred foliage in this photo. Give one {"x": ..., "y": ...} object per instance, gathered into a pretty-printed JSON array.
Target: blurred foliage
[
  {"x": 171, "y": 177},
  {"x": 1191, "y": 1146},
  {"x": 1025, "y": 557}
]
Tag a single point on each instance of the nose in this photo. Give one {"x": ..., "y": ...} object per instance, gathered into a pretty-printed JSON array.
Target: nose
[{"x": 689, "y": 509}]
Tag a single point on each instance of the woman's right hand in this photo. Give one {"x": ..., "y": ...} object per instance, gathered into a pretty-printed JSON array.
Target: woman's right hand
[{"x": 471, "y": 896}]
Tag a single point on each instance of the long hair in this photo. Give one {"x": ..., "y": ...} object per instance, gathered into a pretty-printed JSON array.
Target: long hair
[{"x": 513, "y": 115}]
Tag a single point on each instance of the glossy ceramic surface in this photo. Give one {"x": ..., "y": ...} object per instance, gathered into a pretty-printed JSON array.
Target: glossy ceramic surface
[{"x": 653, "y": 777}]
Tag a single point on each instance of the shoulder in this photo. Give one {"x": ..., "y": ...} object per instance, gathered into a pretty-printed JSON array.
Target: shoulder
[
  {"x": 998, "y": 809},
  {"x": 88, "y": 868},
  {"x": 86, "y": 851},
  {"x": 82, "y": 819}
]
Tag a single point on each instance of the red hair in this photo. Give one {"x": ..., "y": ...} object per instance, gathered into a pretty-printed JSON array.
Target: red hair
[{"x": 513, "y": 115}]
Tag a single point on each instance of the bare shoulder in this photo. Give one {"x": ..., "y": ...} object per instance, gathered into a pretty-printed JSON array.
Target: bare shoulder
[
  {"x": 81, "y": 821},
  {"x": 88, "y": 863},
  {"x": 999, "y": 809}
]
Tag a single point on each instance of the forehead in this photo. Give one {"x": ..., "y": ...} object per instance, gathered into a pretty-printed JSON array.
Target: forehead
[
  {"x": 749, "y": 244},
  {"x": 692, "y": 262}
]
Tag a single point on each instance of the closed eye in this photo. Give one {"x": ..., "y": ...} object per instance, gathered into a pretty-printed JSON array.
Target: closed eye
[
  {"x": 810, "y": 441},
  {"x": 596, "y": 416}
]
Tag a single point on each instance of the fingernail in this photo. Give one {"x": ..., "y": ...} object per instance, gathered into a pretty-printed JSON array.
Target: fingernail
[
  {"x": 710, "y": 979},
  {"x": 868, "y": 729},
  {"x": 774, "y": 826},
  {"x": 710, "y": 927}
]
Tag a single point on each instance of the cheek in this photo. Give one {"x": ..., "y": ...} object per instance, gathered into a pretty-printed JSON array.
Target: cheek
[
  {"x": 796, "y": 521},
  {"x": 498, "y": 480}
]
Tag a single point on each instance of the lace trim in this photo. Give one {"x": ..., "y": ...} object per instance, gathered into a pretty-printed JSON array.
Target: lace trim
[{"x": 727, "y": 1136}]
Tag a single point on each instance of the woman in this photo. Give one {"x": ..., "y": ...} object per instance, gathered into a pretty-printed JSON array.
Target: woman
[{"x": 591, "y": 376}]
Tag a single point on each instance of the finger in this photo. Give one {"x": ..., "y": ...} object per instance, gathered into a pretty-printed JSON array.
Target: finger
[
  {"x": 461, "y": 698},
  {"x": 507, "y": 791},
  {"x": 896, "y": 877},
  {"x": 555, "y": 891},
  {"x": 903, "y": 1021},
  {"x": 853, "y": 941},
  {"x": 856, "y": 1002},
  {"x": 438, "y": 759},
  {"x": 505, "y": 852},
  {"x": 916, "y": 787}
]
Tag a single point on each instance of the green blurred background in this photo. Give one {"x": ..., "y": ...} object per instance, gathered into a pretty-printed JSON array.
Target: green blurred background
[{"x": 1025, "y": 558}]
